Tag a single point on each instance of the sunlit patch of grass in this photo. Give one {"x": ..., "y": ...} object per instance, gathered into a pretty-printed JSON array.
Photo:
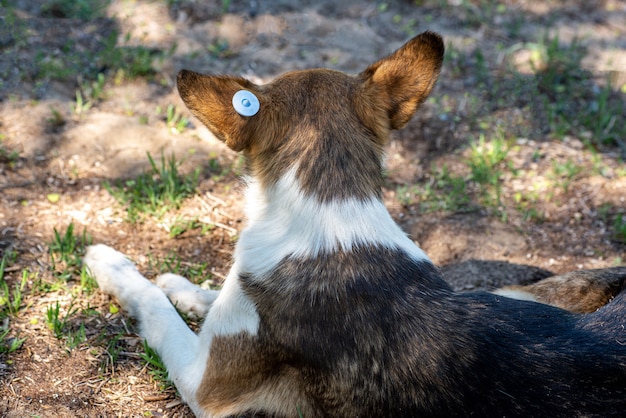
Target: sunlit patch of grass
[
  {"x": 181, "y": 224},
  {"x": 444, "y": 191},
  {"x": 155, "y": 192},
  {"x": 486, "y": 163},
  {"x": 563, "y": 173}
]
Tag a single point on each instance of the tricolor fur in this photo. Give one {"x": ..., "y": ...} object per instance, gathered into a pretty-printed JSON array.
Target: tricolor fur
[{"x": 329, "y": 309}]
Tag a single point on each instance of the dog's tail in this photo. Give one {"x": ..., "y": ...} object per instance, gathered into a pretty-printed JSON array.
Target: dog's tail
[
  {"x": 581, "y": 291},
  {"x": 608, "y": 324}
]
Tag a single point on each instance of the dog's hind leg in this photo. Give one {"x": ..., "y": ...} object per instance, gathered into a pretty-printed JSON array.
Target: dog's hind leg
[
  {"x": 160, "y": 324},
  {"x": 186, "y": 296},
  {"x": 580, "y": 291}
]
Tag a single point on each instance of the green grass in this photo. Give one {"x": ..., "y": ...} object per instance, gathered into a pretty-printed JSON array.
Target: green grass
[
  {"x": 180, "y": 225},
  {"x": 7, "y": 156},
  {"x": 445, "y": 191},
  {"x": 66, "y": 252},
  {"x": 66, "y": 325},
  {"x": 129, "y": 62},
  {"x": 564, "y": 173},
  {"x": 112, "y": 349},
  {"x": 56, "y": 321},
  {"x": 10, "y": 297},
  {"x": 558, "y": 98},
  {"x": 175, "y": 120},
  {"x": 194, "y": 272},
  {"x": 155, "y": 192},
  {"x": 9, "y": 344},
  {"x": 619, "y": 228},
  {"x": 11, "y": 302},
  {"x": 487, "y": 164},
  {"x": 110, "y": 58},
  {"x": 156, "y": 367}
]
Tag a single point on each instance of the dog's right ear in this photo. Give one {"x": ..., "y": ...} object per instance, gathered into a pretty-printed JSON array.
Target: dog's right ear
[
  {"x": 404, "y": 79},
  {"x": 210, "y": 99}
]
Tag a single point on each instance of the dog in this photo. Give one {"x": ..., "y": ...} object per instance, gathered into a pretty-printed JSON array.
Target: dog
[{"x": 329, "y": 309}]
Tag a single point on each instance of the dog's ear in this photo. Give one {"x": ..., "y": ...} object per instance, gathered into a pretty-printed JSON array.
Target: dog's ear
[
  {"x": 210, "y": 99},
  {"x": 404, "y": 79}
]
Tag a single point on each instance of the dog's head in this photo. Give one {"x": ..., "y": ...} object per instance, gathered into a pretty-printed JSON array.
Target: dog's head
[{"x": 329, "y": 125}]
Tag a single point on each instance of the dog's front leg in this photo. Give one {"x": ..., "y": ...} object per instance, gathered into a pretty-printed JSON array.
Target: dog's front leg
[
  {"x": 186, "y": 296},
  {"x": 159, "y": 323}
]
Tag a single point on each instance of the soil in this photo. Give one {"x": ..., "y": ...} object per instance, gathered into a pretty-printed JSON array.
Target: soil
[{"x": 70, "y": 155}]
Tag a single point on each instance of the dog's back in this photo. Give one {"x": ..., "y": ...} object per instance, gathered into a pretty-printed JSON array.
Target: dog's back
[{"x": 375, "y": 333}]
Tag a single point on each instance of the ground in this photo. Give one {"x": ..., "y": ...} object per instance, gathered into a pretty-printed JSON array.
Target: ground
[{"x": 511, "y": 171}]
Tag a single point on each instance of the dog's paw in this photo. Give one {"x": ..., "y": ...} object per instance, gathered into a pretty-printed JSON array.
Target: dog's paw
[
  {"x": 186, "y": 296},
  {"x": 113, "y": 271}
]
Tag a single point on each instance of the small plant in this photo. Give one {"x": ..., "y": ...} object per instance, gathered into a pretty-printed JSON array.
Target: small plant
[
  {"x": 56, "y": 120},
  {"x": 76, "y": 337},
  {"x": 602, "y": 118},
  {"x": 89, "y": 94},
  {"x": 81, "y": 105},
  {"x": 485, "y": 163},
  {"x": 112, "y": 350},
  {"x": 87, "y": 282},
  {"x": 195, "y": 273},
  {"x": 11, "y": 299},
  {"x": 181, "y": 225},
  {"x": 619, "y": 228},
  {"x": 96, "y": 90},
  {"x": 175, "y": 120},
  {"x": 128, "y": 61},
  {"x": 7, "y": 156},
  {"x": 526, "y": 205},
  {"x": 60, "y": 326},
  {"x": 444, "y": 191},
  {"x": 9, "y": 345},
  {"x": 219, "y": 49},
  {"x": 155, "y": 192},
  {"x": 57, "y": 323},
  {"x": 156, "y": 366},
  {"x": 564, "y": 173},
  {"x": 66, "y": 252}
]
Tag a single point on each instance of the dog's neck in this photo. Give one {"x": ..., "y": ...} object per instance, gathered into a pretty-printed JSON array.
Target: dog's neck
[{"x": 286, "y": 221}]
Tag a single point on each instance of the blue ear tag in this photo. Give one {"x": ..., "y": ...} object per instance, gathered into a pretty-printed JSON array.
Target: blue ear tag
[{"x": 246, "y": 103}]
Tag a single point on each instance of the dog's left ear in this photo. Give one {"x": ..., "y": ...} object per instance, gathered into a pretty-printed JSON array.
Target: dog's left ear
[{"x": 404, "y": 79}]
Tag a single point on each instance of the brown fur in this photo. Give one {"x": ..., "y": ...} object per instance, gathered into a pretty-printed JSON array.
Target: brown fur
[{"x": 581, "y": 291}]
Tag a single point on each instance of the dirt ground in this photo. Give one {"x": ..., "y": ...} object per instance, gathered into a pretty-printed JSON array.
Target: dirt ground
[{"x": 62, "y": 157}]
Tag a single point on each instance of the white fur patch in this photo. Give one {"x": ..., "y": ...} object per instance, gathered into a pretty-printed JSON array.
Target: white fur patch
[
  {"x": 232, "y": 312},
  {"x": 186, "y": 296},
  {"x": 515, "y": 294},
  {"x": 284, "y": 222}
]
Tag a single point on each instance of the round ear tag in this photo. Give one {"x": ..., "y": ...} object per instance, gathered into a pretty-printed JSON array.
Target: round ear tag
[{"x": 246, "y": 103}]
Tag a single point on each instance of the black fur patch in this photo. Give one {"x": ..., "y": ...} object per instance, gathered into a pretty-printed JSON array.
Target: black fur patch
[{"x": 375, "y": 333}]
